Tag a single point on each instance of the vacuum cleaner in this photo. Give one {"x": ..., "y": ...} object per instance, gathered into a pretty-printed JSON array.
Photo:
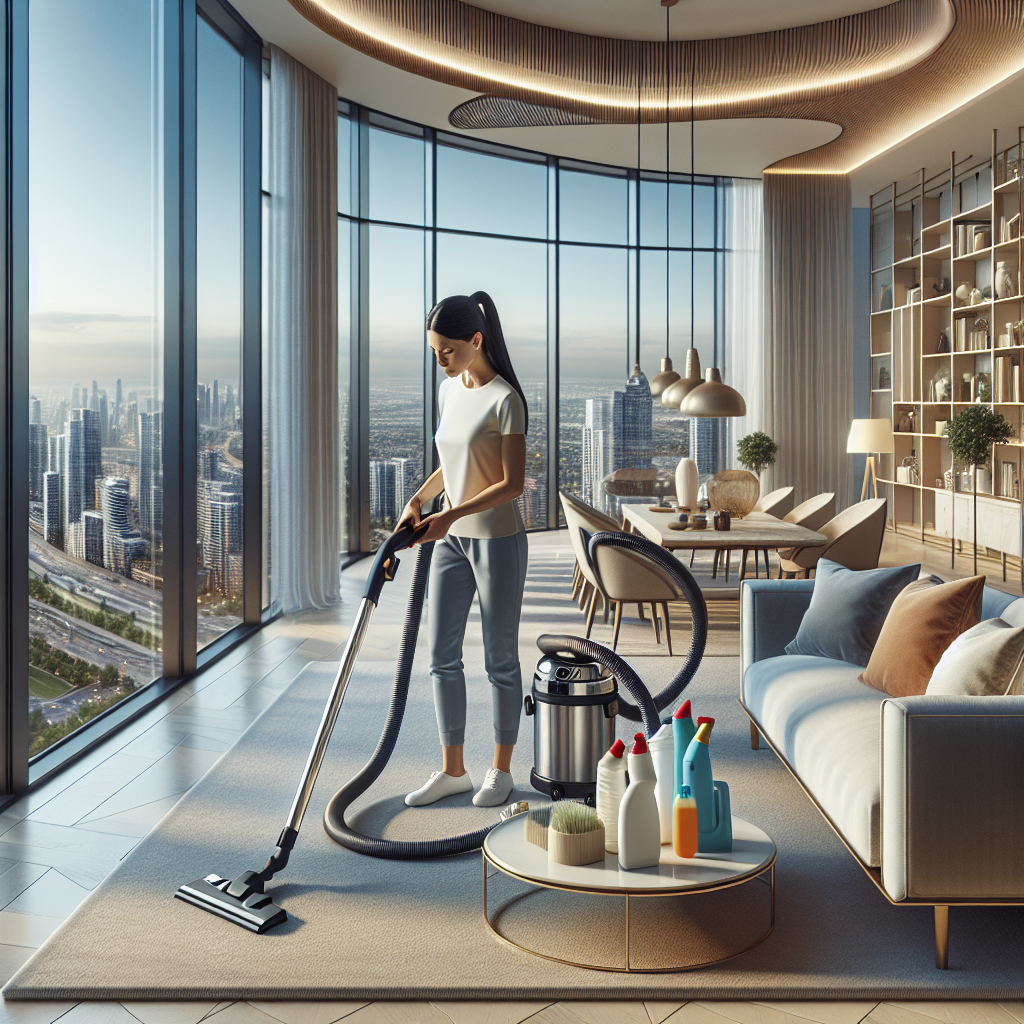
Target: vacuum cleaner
[{"x": 243, "y": 900}]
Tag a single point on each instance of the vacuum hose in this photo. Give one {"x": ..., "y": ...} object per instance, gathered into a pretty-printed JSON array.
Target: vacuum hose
[
  {"x": 647, "y": 707},
  {"x": 334, "y": 816},
  {"x": 646, "y": 710}
]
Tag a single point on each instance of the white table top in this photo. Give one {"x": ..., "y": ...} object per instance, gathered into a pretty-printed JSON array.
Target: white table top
[
  {"x": 752, "y": 852},
  {"x": 758, "y": 530}
]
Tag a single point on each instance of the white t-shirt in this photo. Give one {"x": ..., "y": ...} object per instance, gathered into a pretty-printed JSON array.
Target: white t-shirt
[{"x": 468, "y": 440}]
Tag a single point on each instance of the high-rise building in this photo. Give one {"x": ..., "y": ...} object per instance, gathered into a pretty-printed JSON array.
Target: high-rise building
[
  {"x": 709, "y": 444},
  {"x": 92, "y": 442},
  {"x": 382, "y": 490},
  {"x": 151, "y": 476},
  {"x": 209, "y": 464},
  {"x": 115, "y": 506},
  {"x": 225, "y": 540},
  {"x": 51, "y": 509},
  {"x": 73, "y": 503},
  {"x": 94, "y": 398},
  {"x": 633, "y": 424},
  {"x": 38, "y": 458},
  {"x": 406, "y": 479},
  {"x": 595, "y": 451},
  {"x": 216, "y": 402},
  {"x": 104, "y": 420},
  {"x": 117, "y": 398},
  {"x": 92, "y": 536},
  {"x": 35, "y": 410},
  {"x": 60, "y": 416}
]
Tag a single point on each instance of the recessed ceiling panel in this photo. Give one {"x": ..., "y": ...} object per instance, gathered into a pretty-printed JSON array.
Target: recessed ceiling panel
[{"x": 690, "y": 19}]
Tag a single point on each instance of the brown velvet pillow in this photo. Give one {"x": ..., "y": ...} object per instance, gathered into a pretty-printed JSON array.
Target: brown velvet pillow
[{"x": 922, "y": 622}]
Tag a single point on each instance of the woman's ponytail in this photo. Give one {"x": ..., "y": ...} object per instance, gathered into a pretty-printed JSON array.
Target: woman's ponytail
[{"x": 461, "y": 316}]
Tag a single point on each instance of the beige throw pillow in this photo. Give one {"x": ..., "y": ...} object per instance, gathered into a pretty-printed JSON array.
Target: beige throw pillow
[{"x": 985, "y": 661}]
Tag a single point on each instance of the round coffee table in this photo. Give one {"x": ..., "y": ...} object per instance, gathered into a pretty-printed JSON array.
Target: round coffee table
[{"x": 752, "y": 855}]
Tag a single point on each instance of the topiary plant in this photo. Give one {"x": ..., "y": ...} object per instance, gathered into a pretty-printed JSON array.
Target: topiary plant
[
  {"x": 757, "y": 451},
  {"x": 573, "y": 819},
  {"x": 973, "y": 431}
]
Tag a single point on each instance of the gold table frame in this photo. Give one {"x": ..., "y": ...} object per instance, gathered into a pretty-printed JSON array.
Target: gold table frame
[{"x": 749, "y": 876}]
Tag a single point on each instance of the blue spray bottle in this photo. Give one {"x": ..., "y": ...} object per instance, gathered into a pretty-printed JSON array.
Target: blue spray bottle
[
  {"x": 683, "y": 731},
  {"x": 697, "y": 775}
]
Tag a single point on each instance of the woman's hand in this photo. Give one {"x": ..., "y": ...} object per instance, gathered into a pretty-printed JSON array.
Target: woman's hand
[
  {"x": 410, "y": 514},
  {"x": 437, "y": 526}
]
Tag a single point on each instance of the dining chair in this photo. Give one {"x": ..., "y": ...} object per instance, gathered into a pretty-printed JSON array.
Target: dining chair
[{"x": 854, "y": 539}]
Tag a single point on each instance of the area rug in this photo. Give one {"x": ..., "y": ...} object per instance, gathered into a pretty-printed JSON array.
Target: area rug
[{"x": 361, "y": 928}]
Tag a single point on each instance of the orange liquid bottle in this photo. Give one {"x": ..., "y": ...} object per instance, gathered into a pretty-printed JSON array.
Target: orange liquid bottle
[{"x": 684, "y": 824}]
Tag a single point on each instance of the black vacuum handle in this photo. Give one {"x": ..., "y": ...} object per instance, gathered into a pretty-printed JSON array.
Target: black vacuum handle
[{"x": 385, "y": 565}]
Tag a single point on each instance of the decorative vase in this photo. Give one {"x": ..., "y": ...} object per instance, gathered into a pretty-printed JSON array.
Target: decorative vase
[
  {"x": 1005, "y": 279},
  {"x": 975, "y": 297},
  {"x": 576, "y": 849},
  {"x": 734, "y": 491},
  {"x": 963, "y": 292},
  {"x": 687, "y": 482}
]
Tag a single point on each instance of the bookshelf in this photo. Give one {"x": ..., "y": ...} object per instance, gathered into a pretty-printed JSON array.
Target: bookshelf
[{"x": 947, "y": 330}]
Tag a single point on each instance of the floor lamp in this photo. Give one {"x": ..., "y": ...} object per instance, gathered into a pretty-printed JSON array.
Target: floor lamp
[{"x": 866, "y": 438}]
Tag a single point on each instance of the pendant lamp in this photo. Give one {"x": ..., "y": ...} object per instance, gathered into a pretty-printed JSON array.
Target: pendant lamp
[
  {"x": 712, "y": 398},
  {"x": 667, "y": 377},
  {"x": 675, "y": 393}
]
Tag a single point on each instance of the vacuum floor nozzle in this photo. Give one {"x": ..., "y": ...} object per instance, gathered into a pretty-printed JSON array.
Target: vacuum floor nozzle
[{"x": 241, "y": 901}]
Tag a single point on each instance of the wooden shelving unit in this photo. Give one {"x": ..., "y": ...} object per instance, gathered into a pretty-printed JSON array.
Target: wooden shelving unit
[{"x": 955, "y": 226}]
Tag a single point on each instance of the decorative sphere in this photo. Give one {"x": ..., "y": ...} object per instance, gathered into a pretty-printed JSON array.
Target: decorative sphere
[{"x": 735, "y": 491}]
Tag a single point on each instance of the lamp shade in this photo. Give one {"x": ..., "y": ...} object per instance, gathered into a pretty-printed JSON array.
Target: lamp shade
[
  {"x": 676, "y": 392},
  {"x": 665, "y": 378},
  {"x": 713, "y": 398},
  {"x": 868, "y": 436}
]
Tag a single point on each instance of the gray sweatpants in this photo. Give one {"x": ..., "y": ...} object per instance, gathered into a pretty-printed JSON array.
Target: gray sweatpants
[{"x": 495, "y": 568}]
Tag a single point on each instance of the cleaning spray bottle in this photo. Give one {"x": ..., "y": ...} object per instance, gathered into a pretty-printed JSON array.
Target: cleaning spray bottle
[
  {"x": 662, "y": 747},
  {"x": 684, "y": 824},
  {"x": 697, "y": 775},
  {"x": 639, "y": 825},
  {"x": 683, "y": 731},
  {"x": 611, "y": 784}
]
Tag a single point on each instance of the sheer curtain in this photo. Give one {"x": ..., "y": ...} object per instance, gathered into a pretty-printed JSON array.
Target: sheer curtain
[
  {"x": 744, "y": 308},
  {"x": 301, "y": 348},
  {"x": 808, "y": 331}
]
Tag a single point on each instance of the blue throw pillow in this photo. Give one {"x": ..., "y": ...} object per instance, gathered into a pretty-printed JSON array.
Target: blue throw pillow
[{"x": 847, "y": 610}]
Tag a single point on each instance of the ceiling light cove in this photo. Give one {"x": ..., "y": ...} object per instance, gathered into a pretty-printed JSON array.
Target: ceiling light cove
[{"x": 597, "y": 77}]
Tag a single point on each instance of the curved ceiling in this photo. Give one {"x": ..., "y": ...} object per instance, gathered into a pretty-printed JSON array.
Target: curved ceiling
[
  {"x": 881, "y": 74},
  {"x": 692, "y": 19}
]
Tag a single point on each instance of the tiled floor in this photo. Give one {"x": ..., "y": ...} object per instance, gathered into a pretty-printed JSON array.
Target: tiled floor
[{"x": 61, "y": 841}]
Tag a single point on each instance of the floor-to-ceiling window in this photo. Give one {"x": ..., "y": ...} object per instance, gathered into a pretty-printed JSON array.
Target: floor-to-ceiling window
[
  {"x": 577, "y": 261},
  {"x": 219, "y": 261},
  {"x": 95, "y": 358},
  {"x": 132, "y": 399}
]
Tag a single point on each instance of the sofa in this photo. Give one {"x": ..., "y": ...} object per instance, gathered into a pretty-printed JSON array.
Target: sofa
[{"x": 878, "y": 767}]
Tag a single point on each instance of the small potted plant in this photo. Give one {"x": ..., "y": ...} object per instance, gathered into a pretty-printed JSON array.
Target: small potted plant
[
  {"x": 972, "y": 432},
  {"x": 757, "y": 452},
  {"x": 575, "y": 834}
]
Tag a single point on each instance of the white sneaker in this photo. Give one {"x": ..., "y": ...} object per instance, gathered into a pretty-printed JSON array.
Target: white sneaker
[
  {"x": 437, "y": 787},
  {"x": 497, "y": 788}
]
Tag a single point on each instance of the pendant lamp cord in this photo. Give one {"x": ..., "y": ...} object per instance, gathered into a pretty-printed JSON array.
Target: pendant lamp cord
[
  {"x": 667, "y": 189},
  {"x": 693, "y": 172}
]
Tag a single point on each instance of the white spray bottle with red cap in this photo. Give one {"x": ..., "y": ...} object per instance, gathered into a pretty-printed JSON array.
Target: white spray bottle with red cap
[
  {"x": 639, "y": 823},
  {"x": 611, "y": 784}
]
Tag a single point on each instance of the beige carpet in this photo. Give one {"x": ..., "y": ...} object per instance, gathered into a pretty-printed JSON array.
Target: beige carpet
[{"x": 370, "y": 929}]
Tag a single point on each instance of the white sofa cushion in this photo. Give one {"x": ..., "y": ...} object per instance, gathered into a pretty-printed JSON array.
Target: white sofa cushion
[{"x": 825, "y": 722}]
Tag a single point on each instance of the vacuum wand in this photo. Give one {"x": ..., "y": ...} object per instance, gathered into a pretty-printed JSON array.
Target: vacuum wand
[{"x": 243, "y": 900}]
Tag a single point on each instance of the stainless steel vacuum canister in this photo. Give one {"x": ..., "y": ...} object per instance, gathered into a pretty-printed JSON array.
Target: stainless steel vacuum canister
[{"x": 573, "y": 702}]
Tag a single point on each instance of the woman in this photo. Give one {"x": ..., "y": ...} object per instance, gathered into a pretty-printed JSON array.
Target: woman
[{"x": 481, "y": 540}]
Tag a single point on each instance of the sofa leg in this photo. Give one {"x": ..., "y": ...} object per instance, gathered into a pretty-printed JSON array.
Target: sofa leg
[
  {"x": 942, "y": 938},
  {"x": 755, "y": 737}
]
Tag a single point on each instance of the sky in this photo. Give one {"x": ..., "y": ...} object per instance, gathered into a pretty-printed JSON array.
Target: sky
[{"x": 94, "y": 194}]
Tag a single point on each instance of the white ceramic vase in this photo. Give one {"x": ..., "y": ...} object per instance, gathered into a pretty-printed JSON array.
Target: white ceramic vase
[
  {"x": 687, "y": 482},
  {"x": 1005, "y": 279}
]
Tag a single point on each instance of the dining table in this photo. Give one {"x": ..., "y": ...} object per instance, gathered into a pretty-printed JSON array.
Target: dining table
[{"x": 757, "y": 531}]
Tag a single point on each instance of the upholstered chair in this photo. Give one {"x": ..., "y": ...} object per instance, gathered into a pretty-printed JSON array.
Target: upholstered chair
[
  {"x": 579, "y": 515},
  {"x": 776, "y": 503},
  {"x": 854, "y": 540},
  {"x": 627, "y": 576},
  {"x": 814, "y": 512}
]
